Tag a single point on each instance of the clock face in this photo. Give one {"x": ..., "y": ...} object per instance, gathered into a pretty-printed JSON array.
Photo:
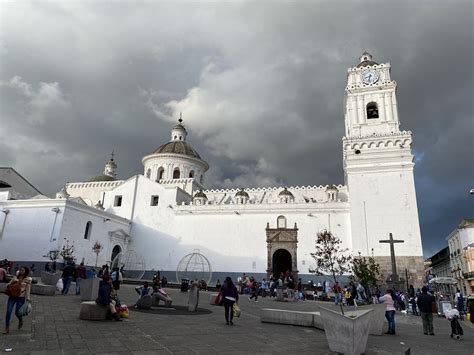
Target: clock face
[{"x": 370, "y": 76}]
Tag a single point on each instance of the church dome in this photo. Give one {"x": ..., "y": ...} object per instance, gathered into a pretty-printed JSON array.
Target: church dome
[
  {"x": 177, "y": 147},
  {"x": 366, "y": 60},
  {"x": 200, "y": 194},
  {"x": 285, "y": 192},
  {"x": 101, "y": 177},
  {"x": 242, "y": 193}
]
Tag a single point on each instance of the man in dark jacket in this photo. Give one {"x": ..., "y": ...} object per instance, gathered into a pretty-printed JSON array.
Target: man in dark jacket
[
  {"x": 68, "y": 273},
  {"x": 425, "y": 304}
]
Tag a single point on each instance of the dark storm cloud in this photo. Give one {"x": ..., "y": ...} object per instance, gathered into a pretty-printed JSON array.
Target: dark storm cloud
[{"x": 261, "y": 89}]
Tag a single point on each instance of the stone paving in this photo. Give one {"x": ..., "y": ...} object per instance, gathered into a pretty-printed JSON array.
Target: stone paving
[{"x": 54, "y": 327}]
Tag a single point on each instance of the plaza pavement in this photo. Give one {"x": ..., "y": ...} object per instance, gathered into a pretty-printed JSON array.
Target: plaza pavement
[{"x": 54, "y": 327}]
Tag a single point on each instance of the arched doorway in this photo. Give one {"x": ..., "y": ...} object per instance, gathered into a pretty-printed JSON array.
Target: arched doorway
[
  {"x": 281, "y": 262},
  {"x": 115, "y": 251}
]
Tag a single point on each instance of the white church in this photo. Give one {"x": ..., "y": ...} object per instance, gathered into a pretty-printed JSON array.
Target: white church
[{"x": 167, "y": 212}]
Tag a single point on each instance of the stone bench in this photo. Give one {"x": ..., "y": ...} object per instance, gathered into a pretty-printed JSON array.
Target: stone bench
[
  {"x": 282, "y": 316},
  {"x": 145, "y": 302},
  {"x": 157, "y": 297},
  {"x": 36, "y": 289},
  {"x": 92, "y": 311},
  {"x": 45, "y": 290}
]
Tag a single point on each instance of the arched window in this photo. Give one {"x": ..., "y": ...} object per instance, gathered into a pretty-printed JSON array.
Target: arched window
[
  {"x": 281, "y": 222},
  {"x": 176, "y": 174},
  {"x": 191, "y": 174},
  {"x": 148, "y": 173},
  {"x": 372, "y": 110},
  {"x": 87, "y": 232},
  {"x": 161, "y": 173}
]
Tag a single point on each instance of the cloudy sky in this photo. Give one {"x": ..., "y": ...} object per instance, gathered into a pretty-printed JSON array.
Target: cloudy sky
[{"x": 260, "y": 86}]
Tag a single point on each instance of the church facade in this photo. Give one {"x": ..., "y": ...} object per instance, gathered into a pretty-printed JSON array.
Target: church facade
[{"x": 269, "y": 230}]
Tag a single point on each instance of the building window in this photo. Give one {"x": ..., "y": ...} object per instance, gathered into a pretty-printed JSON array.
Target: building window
[
  {"x": 191, "y": 174},
  {"x": 118, "y": 201},
  {"x": 87, "y": 232},
  {"x": 372, "y": 110},
  {"x": 281, "y": 222},
  {"x": 161, "y": 172},
  {"x": 148, "y": 173},
  {"x": 154, "y": 200},
  {"x": 176, "y": 173}
]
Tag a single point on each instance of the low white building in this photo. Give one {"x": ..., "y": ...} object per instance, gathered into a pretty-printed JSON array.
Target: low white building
[
  {"x": 461, "y": 252},
  {"x": 31, "y": 228},
  {"x": 269, "y": 230}
]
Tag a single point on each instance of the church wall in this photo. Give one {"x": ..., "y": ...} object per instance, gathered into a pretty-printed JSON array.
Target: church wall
[
  {"x": 232, "y": 242},
  {"x": 91, "y": 192},
  {"x": 74, "y": 225},
  {"x": 28, "y": 232},
  {"x": 390, "y": 207}
]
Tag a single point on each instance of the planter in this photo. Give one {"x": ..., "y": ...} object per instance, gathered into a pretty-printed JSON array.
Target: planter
[
  {"x": 89, "y": 289},
  {"x": 348, "y": 333},
  {"x": 378, "y": 314},
  {"x": 377, "y": 318},
  {"x": 49, "y": 278}
]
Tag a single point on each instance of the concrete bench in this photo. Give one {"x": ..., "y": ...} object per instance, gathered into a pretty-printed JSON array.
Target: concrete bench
[
  {"x": 36, "y": 289},
  {"x": 157, "y": 297},
  {"x": 92, "y": 311},
  {"x": 45, "y": 290},
  {"x": 282, "y": 316},
  {"x": 145, "y": 302}
]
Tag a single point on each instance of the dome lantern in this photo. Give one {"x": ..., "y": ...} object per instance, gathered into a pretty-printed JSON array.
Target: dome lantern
[
  {"x": 242, "y": 196},
  {"x": 286, "y": 196}
]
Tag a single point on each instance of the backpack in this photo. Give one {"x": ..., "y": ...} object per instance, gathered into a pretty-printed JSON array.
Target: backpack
[{"x": 13, "y": 289}]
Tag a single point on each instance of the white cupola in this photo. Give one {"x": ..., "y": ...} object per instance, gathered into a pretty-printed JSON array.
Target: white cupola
[{"x": 176, "y": 162}]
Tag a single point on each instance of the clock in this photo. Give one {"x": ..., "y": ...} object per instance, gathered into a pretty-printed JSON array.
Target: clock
[{"x": 370, "y": 76}]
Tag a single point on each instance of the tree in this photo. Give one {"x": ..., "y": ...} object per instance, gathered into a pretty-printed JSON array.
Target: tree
[
  {"x": 67, "y": 251},
  {"x": 330, "y": 257},
  {"x": 367, "y": 270},
  {"x": 53, "y": 255}
]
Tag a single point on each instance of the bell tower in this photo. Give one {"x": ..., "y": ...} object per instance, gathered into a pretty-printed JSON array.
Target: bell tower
[
  {"x": 378, "y": 167},
  {"x": 370, "y": 101}
]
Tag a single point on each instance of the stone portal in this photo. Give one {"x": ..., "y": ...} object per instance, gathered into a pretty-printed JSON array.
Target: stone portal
[{"x": 282, "y": 244}]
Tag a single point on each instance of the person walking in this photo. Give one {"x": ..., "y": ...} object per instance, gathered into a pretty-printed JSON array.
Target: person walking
[
  {"x": 230, "y": 296},
  {"x": 67, "y": 275},
  {"x": 116, "y": 278},
  {"x": 21, "y": 286},
  {"x": 388, "y": 299},
  {"x": 425, "y": 305},
  {"x": 254, "y": 289},
  {"x": 80, "y": 274}
]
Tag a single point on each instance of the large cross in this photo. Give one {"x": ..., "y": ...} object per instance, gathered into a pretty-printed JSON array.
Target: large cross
[{"x": 392, "y": 253}]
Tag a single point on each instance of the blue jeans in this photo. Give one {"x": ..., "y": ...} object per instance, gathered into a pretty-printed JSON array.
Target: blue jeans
[
  {"x": 390, "y": 315},
  {"x": 78, "y": 285},
  {"x": 12, "y": 301},
  {"x": 66, "y": 283}
]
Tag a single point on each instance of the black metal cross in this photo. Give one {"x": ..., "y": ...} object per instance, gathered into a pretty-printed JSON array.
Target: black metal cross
[{"x": 392, "y": 252}]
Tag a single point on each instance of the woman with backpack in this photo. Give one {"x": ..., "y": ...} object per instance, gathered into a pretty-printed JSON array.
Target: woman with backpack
[{"x": 18, "y": 290}]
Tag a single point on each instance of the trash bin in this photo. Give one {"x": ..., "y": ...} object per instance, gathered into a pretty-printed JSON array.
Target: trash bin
[{"x": 184, "y": 285}]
